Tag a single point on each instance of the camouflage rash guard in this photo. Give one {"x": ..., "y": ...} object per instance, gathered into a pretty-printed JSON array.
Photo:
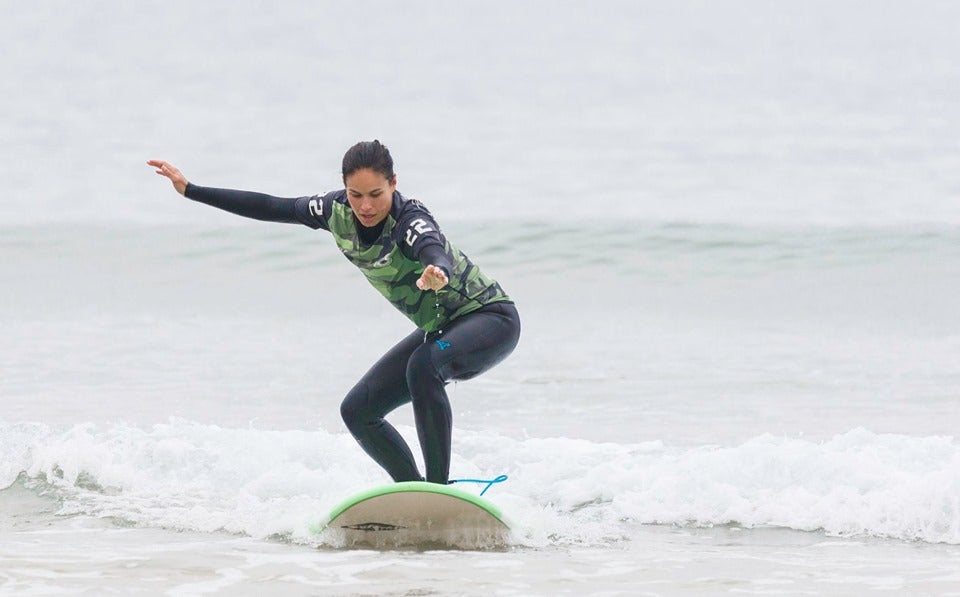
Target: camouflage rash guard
[{"x": 392, "y": 264}]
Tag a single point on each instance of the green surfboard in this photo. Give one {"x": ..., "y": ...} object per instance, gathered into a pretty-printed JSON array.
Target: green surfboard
[{"x": 416, "y": 514}]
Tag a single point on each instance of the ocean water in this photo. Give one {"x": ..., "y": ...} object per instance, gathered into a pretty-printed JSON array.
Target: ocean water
[{"x": 732, "y": 231}]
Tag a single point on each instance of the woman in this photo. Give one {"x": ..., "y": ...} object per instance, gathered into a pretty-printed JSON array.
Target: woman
[{"x": 466, "y": 322}]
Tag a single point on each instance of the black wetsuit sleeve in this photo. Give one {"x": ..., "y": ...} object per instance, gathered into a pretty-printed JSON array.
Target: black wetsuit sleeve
[
  {"x": 260, "y": 206},
  {"x": 435, "y": 254},
  {"x": 420, "y": 239}
]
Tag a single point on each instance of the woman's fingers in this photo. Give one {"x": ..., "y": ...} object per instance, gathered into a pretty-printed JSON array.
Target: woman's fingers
[
  {"x": 167, "y": 169},
  {"x": 161, "y": 166},
  {"x": 440, "y": 277},
  {"x": 432, "y": 278}
]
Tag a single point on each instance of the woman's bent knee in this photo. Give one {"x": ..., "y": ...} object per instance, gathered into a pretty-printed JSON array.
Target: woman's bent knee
[{"x": 353, "y": 409}]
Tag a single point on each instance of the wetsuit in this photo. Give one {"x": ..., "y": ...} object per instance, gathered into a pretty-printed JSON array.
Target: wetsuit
[{"x": 464, "y": 329}]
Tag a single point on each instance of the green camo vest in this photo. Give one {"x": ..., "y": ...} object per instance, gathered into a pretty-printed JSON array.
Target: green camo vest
[{"x": 395, "y": 276}]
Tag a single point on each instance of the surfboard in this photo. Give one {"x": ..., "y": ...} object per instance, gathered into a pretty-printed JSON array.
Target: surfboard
[{"x": 416, "y": 514}]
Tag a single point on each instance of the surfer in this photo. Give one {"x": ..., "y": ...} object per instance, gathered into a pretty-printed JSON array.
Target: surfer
[{"x": 465, "y": 322}]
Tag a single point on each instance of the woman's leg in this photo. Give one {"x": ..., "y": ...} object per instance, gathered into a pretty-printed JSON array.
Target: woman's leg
[
  {"x": 382, "y": 389},
  {"x": 469, "y": 346}
]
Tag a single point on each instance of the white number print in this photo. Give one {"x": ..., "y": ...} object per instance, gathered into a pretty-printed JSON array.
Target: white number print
[
  {"x": 421, "y": 226},
  {"x": 316, "y": 207}
]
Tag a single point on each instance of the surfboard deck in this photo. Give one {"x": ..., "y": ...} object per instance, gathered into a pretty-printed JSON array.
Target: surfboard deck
[{"x": 419, "y": 515}]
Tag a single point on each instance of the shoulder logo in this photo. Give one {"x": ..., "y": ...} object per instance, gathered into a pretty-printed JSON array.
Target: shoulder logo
[
  {"x": 316, "y": 207},
  {"x": 420, "y": 226}
]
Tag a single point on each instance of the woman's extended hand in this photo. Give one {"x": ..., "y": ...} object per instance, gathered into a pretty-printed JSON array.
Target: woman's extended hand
[
  {"x": 432, "y": 278},
  {"x": 170, "y": 171}
]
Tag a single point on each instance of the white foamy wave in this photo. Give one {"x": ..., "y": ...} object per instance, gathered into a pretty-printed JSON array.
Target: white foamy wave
[
  {"x": 189, "y": 476},
  {"x": 858, "y": 483}
]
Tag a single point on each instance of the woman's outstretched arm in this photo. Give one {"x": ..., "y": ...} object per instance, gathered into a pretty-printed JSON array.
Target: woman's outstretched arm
[{"x": 258, "y": 206}]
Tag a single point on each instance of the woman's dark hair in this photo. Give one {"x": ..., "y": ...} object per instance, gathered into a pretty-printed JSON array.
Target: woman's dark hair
[{"x": 368, "y": 154}]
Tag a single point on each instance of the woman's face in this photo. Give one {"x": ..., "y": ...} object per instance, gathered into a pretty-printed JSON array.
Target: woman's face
[{"x": 370, "y": 194}]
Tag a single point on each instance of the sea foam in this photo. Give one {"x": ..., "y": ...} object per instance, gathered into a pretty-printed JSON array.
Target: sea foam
[{"x": 268, "y": 483}]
